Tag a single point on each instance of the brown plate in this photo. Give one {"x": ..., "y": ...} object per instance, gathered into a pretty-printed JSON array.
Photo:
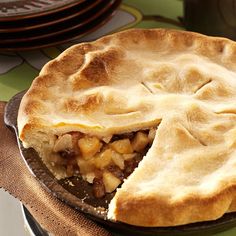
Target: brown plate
[
  {"x": 48, "y": 20},
  {"x": 55, "y": 40},
  {"x": 80, "y": 196},
  {"x": 58, "y": 28},
  {"x": 22, "y": 9}
]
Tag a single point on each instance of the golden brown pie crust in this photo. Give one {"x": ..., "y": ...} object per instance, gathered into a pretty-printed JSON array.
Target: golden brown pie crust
[{"x": 182, "y": 82}]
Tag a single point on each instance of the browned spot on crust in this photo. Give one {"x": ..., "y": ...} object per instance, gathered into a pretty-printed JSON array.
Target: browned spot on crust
[
  {"x": 218, "y": 91},
  {"x": 223, "y": 91},
  {"x": 69, "y": 62},
  {"x": 44, "y": 81},
  {"x": 88, "y": 103},
  {"x": 98, "y": 69},
  {"x": 219, "y": 46},
  {"x": 196, "y": 114},
  {"x": 34, "y": 107},
  {"x": 95, "y": 71}
]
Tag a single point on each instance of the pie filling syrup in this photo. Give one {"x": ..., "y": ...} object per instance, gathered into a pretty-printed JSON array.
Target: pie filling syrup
[{"x": 104, "y": 163}]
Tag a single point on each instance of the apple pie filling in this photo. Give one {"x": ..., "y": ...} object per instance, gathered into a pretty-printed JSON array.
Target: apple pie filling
[{"x": 104, "y": 163}]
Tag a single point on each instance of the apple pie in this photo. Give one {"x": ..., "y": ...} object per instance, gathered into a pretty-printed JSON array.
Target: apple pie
[{"x": 149, "y": 114}]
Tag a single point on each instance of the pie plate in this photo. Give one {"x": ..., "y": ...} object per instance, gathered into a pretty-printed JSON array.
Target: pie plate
[
  {"x": 78, "y": 194},
  {"x": 24, "y": 9},
  {"x": 64, "y": 32},
  {"x": 58, "y": 28},
  {"x": 47, "y": 20}
]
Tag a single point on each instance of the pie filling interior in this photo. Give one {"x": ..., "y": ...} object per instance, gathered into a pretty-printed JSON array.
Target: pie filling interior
[{"x": 104, "y": 163}]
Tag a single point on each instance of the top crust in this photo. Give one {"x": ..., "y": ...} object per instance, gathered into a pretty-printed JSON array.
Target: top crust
[{"x": 182, "y": 82}]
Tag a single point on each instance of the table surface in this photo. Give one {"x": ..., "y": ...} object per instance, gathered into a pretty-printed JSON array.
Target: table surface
[{"x": 17, "y": 70}]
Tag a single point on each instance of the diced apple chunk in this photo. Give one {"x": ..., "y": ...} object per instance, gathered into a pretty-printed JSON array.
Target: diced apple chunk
[
  {"x": 89, "y": 146},
  {"x": 122, "y": 146},
  {"x": 103, "y": 159},
  {"x": 140, "y": 141},
  {"x": 110, "y": 181},
  {"x": 85, "y": 166},
  {"x": 151, "y": 134},
  {"x": 107, "y": 139},
  {"x": 63, "y": 142},
  {"x": 118, "y": 159},
  {"x": 129, "y": 156},
  {"x": 90, "y": 177}
]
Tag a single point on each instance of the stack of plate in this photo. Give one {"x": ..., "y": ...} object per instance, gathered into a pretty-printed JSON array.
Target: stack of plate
[{"x": 32, "y": 24}]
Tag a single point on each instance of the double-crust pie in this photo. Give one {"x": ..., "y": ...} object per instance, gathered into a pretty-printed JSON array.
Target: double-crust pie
[{"x": 150, "y": 114}]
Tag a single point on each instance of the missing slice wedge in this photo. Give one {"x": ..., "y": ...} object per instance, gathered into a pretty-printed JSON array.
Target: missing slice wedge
[{"x": 104, "y": 164}]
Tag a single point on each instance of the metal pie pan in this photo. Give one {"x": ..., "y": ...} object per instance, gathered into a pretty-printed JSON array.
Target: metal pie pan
[{"x": 80, "y": 195}]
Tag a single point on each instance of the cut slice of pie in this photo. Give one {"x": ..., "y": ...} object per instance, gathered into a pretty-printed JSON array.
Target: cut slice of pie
[{"x": 148, "y": 113}]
